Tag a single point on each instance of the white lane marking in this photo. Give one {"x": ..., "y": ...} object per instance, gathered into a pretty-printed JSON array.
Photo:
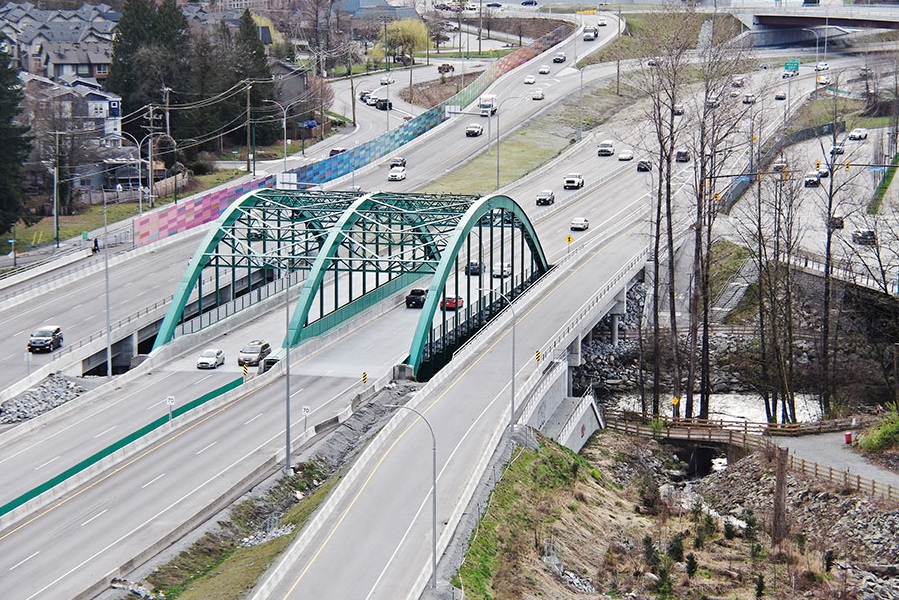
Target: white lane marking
[
  {"x": 46, "y": 463},
  {"x": 201, "y": 380},
  {"x": 253, "y": 419},
  {"x": 99, "y": 514},
  {"x": 297, "y": 392},
  {"x": 152, "y": 481},
  {"x": 174, "y": 503},
  {"x": 76, "y": 307},
  {"x": 105, "y": 431},
  {"x": 202, "y": 450},
  {"x": 20, "y": 563}
]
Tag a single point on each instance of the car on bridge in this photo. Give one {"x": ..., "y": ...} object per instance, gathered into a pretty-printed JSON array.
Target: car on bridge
[
  {"x": 573, "y": 181},
  {"x": 474, "y": 130},
  {"x": 416, "y": 298},
  {"x": 605, "y": 148},
  {"x": 396, "y": 174},
  {"x": 538, "y": 95},
  {"x": 559, "y": 57},
  {"x": 530, "y": 79},
  {"x": 451, "y": 303},
  {"x": 502, "y": 269},
  {"x": 580, "y": 224},
  {"x": 253, "y": 353},
  {"x": 474, "y": 268},
  {"x": 626, "y": 154},
  {"x": 644, "y": 166},
  {"x": 397, "y": 161},
  {"x": 211, "y": 358},
  {"x": 543, "y": 70},
  {"x": 46, "y": 338},
  {"x": 780, "y": 96}
]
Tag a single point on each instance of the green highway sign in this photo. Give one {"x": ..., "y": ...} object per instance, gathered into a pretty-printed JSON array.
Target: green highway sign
[{"x": 792, "y": 65}]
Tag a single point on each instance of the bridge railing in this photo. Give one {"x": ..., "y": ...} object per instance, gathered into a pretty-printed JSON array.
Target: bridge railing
[{"x": 738, "y": 435}]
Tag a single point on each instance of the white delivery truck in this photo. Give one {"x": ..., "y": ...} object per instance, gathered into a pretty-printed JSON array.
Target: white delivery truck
[{"x": 487, "y": 105}]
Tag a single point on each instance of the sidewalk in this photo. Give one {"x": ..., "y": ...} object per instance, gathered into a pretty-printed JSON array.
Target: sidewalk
[{"x": 831, "y": 450}]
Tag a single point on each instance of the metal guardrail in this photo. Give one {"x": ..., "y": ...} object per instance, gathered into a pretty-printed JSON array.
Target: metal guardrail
[{"x": 750, "y": 435}]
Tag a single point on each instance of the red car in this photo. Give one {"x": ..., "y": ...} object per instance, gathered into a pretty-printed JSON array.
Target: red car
[{"x": 451, "y": 303}]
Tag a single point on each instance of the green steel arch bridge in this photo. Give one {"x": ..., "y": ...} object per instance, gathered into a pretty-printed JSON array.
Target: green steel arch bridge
[{"x": 347, "y": 251}]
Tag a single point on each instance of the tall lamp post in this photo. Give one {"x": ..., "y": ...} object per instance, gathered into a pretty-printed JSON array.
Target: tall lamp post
[
  {"x": 816, "y": 44},
  {"x": 287, "y": 341},
  {"x": 498, "y": 110},
  {"x": 433, "y": 493},
  {"x": 108, "y": 311},
  {"x": 514, "y": 318},
  {"x": 284, "y": 108}
]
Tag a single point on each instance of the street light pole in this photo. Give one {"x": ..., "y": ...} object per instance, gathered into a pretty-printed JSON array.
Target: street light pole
[
  {"x": 287, "y": 371},
  {"x": 108, "y": 317},
  {"x": 433, "y": 493},
  {"x": 514, "y": 319},
  {"x": 816, "y": 44}
]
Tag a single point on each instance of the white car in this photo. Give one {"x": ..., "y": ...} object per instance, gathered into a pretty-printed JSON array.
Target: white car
[
  {"x": 501, "y": 269},
  {"x": 626, "y": 155},
  {"x": 474, "y": 130},
  {"x": 601, "y": 23},
  {"x": 396, "y": 174},
  {"x": 544, "y": 70},
  {"x": 822, "y": 66},
  {"x": 580, "y": 224},
  {"x": 823, "y": 80},
  {"x": 387, "y": 80},
  {"x": 371, "y": 100},
  {"x": 530, "y": 79},
  {"x": 859, "y": 133},
  {"x": 538, "y": 95},
  {"x": 211, "y": 358}
]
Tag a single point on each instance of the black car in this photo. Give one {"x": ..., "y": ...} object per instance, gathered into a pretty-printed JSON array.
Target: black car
[
  {"x": 529, "y": 3},
  {"x": 682, "y": 156},
  {"x": 383, "y": 104},
  {"x": 644, "y": 166},
  {"x": 416, "y": 298},
  {"x": 474, "y": 268},
  {"x": 45, "y": 339},
  {"x": 864, "y": 237}
]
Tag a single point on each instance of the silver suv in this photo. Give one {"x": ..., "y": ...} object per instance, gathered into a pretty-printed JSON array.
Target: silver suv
[{"x": 253, "y": 353}]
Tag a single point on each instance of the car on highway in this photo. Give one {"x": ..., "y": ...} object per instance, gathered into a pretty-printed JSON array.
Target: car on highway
[
  {"x": 822, "y": 66},
  {"x": 677, "y": 110},
  {"x": 546, "y": 197},
  {"x": 748, "y": 98},
  {"x": 605, "y": 148},
  {"x": 530, "y": 79},
  {"x": 383, "y": 104},
  {"x": 387, "y": 80},
  {"x": 682, "y": 156},
  {"x": 364, "y": 94},
  {"x": 713, "y": 100},
  {"x": 474, "y": 130},
  {"x": 626, "y": 155},
  {"x": 544, "y": 70},
  {"x": 529, "y": 3},
  {"x": 601, "y": 23},
  {"x": 653, "y": 62},
  {"x": 451, "y": 303},
  {"x": 559, "y": 57},
  {"x": 864, "y": 237},
  {"x": 812, "y": 179},
  {"x": 573, "y": 181},
  {"x": 738, "y": 82},
  {"x": 45, "y": 338},
  {"x": 789, "y": 74},
  {"x": 780, "y": 96},
  {"x": 397, "y": 161},
  {"x": 493, "y": 5},
  {"x": 839, "y": 147},
  {"x": 780, "y": 166},
  {"x": 416, "y": 298},
  {"x": 859, "y": 133},
  {"x": 253, "y": 353},
  {"x": 644, "y": 166},
  {"x": 211, "y": 358},
  {"x": 474, "y": 268},
  {"x": 501, "y": 269},
  {"x": 396, "y": 174},
  {"x": 579, "y": 224},
  {"x": 823, "y": 172},
  {"x": 538, "y": 95},
  {"x": 371, "y": 100},
  {"x": 336, "y": 151},
  {"x": 823, "y": 80}
]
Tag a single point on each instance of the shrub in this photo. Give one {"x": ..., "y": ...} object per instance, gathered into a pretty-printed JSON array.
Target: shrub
[
  {"x": 829, "y": 558},
  {"x": 730, "y": 532},
  {"x": 650, "y": 554},
  {"x": 676, "y": 548},
  {"x": 692, "y": 565},
  {"x": 759, "y": 585},
  {"x": 882, "y": 437}
]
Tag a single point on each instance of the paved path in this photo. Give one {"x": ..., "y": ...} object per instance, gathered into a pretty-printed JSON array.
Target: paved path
[{"x": 831, "y": 450}]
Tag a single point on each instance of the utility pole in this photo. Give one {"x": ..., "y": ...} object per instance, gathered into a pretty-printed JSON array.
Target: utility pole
[
  {"x": 166, "y": 90},
  {"x": 56, "y": 188},
  {"x": 249, "y": 87}
]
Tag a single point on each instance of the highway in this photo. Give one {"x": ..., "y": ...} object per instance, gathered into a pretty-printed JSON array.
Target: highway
[{"x": 79, "y": 540}]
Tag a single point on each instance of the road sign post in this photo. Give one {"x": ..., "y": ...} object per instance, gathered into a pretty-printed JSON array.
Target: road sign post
[
  {"x": 170, "y": 402},
  {"x": 792, "y": 65},
  {"x": 305, "y": 418}
]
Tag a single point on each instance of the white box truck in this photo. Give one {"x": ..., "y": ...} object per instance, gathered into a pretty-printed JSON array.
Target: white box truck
[{"x": 487, "y": 105}]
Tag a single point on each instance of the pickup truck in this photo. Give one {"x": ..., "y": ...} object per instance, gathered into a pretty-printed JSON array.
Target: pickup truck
[
  {"x": 416, "y": 298},
  {"x": 573, "y": 181}
]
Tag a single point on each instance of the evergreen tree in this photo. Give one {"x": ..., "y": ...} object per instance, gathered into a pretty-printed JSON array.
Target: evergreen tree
[
  {"x": 134, "y": 32},
  {"x": 15, "y": 145},
  {"x": 251, "y": 63}
]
